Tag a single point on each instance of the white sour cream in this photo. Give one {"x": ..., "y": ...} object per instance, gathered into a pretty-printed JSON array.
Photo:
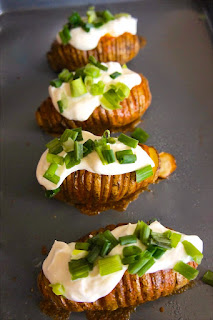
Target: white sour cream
[
  {"x": 83, "y": 40},
  {"x": 92, "y": 163},
  {"x": 95, "y": 286},
  {"x": 80, "y": 108}
]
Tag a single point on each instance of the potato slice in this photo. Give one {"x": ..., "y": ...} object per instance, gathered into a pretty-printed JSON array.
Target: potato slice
[{"x": 167, "y": 165}]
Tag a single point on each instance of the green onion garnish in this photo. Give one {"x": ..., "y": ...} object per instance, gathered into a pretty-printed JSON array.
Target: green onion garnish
[
  {"x": 144, "y": 173},
  {"x": 58, "y": 289},
  {"x": 78, "y": 150},
  {"x": 79, "y": 131},
  {"x": 140, "y": 262},
  {"x": 109, "y": 265},
  {"x": 60, "y": 106},
  {"x": 54, "y": 146},
  {"x": 175, "y": 238},
  {"x": 56, "y": 83},
  {"x": 54, "y": 158},
  {"x": 108, "y": 156},
  {"x": 158, "y": 252},
  {"x": 68, "y": 133},
  {"x": 86, "y": 26},
  {"x": 192, "y": 251},
  {"x": 127, "y": 239},
  {"x": 50, "y": 173},
  {"x": 79, "y": 268},
  {"x": 105, "y": 248},
  {"x": 111, "y": 140},
  {"x": 88, "y": 81},
  {"x": 145, "y": 233},
  {"x": 127, "y": 158},
  {"x": 186, "y": 270},
  {"x": 146, "y": 267},
  {"x": 129, "y": 259},
  {"x": 65, "y": 75},
  {"x": 140, "y": 135},
  {"x": 161, "y": 239},
  {"x": 107, "y": 15},
  {"x": 65, "y": 35},
  {"x": 77, "y": 87},
  {"x": 75, "y": 20},
  {"x": 89, "y": 145},
  {"x": 97, "y": 88},
  {"x": 82, "y": 246},
  {"x": 115, "y": 74},
  {"x": 79, "y": 73},
  {"x": 121, "y": 90},
  {"x": 70, "y": 160},
  {"x": 138, "y": 229},
  {"x": 208, "y": 278},
  {"x": 131, "y": 250},
  {"x": 112, "y": 98},
  {"x": 93, "y": 254},
  {"x": 151, "y": 248},
  {"x": 120, "y": 154},
  {"x": 109, "y": 236},
  {"x": 100, "y": 154},
  {"x": 92, "y": 71},
  {"x": 130, "y": 142},
  {"x": 97, "y": 63},
  {"x": 51, "y": 193},
  {"x": 91, "y": 14}
]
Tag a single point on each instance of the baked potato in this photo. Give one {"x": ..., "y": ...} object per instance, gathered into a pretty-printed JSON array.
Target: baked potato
[{"x": 133, "y": 107}]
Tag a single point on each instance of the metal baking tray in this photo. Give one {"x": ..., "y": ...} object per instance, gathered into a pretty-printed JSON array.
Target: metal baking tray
[{"x": 178, "y": 63}]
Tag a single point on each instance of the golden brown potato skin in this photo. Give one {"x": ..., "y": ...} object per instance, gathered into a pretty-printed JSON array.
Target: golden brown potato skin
[
  {"x": 93, "y": 193},
  {"x": 132, "y": 290},
  {"x": 101, "y": 119},
  {"x": 121, "y": 49}
]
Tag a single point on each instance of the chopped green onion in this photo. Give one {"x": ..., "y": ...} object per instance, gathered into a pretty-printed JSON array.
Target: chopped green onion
[
  {"x": 111, "y": 140},
  {"x": 101, "y": 142},
  {"x": 208, "y": 277},
  {"x": 79, "y": 268},
  {"x": 145, "y": 233},
  {"x": 97, "y": 63},
  {"x": 144, "y": 173},
  {"x": 138, "y": 229},
  {"x": 108, "y": 156},
  {"x": 89, "y": 145},
  {"x": 121, "y": 90},
  {"x": 127, "y": 158},
  {"x": 70, "y": 160},
  {"x": 54, "y": 146},
  {"x": 192, "y": 251},
  {"x": 86, "y": 26},
  {"x": 77, "y": 87},
  {"x": 140, "y": 135},
  {"x": 56, "y": 83},
  {"x": 186, "y": 270},
  {"x": 146, "y": 267},
  {"x": 107, "y": 15},
  {"x": 105, "y": 248},
  {"x": 75, "y": 20},
  {"x": 78, "y": 150},
  {"x": 79, "y": 136},
  {"x": 97, "y": 88},
  {"x": 65, "y": 75},
  {"x": 51, "y": 170},
  {"x": 158, "y": 253},
  {"x": 106, "y": 134},
  {"x": 130, "y": 142},
  {"x": 109, "y": 265},
  {"x": 54, "y": 158},
  {"x": 151, "y": 248},
  {"x": 79, "y": 73},
  {"x": 112, "y": 98},
  {"x": 68, "y": 145},
  {"x": 51, "y": 193},
  {"x": 131, "y": 250},
  {"x": 82, "y": 246},
  {"x": 93, "y": 254},
  {"x": 129, "y": 259},
  {"x": 115, "y": 74},
  {"x": 83, "y": 253},
  {"x": 100, "y": 154},
  {"x": 58, "y": 289},
  {"x": 91, "y": 14},
  {"x": 65, "y": 35},
  {"x": 54, "y": 179},
  {"x": 92, "y": 71},
  {"x": 88, "y": 82},
  {"x": 140, "y": 262},
  {"x": 127, "y": 239},
  {"x": 175, "y": 238},
  {"x": 161, "y": 240},
  {"x": 60, "y": 106},
  {"x": 68, "y": 133},
  {"x": 120, "y": 154},
  {"x": 109, "y": 236},
  {"x": 108, "y": 105}
]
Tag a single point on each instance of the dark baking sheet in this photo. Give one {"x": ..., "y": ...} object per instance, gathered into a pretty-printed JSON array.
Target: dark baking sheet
[{"x": 178, "y": 63}]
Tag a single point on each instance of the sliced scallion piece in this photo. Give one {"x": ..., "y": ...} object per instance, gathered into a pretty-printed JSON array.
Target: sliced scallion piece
[
  {"x": 108, "y": 156},
  {"x": 82, "y": 246},
  {"x": 78, "y": 151},
  {"x": 77, "y": 87},
  {"x": 88, "y": 82},
  {"x": 68, "y": 145},
  {"x": 111, "y": 140},
  {"x": 109, "y": 265},
  {"x": 158, "y": 253},
  {"x": 70, "y": 160},
  {"x": 54, "y": 158},
  {"x": 175, "y": 238},
  {"x": 208, "y": 277},
  {"x": 192, "y": 251},
  {"x": 129, "y": 259},
  {"x": 54, "y": 146},
  {"x": 127, "y": 158},
  {"x": 54, "y": 178},
  {"x": 51, "y": 193},
  {"x": 131, "y": 250},
  {"x": 80, "y": 135},
  {"x": 68, "y": 133},
  {"x": 75, "y": 20},
  {"x": 144, "y": 173},
  {"x": 120, "y": 154},
  {"x": 89, "y": 145},
  {"x": 130, "y": 142},
  {"x": 65, "y": 75},
  {"x": 65, "y": 35},
  {"x": 127, "y": 239},
  {"x": 140, "y": 262},
  {"x": 91, "y": 14},
  {"x": 58, "y": 289},
  {"x": 86, "y": 26},
  {"x": 107, "y": 15},
  {"x": 140, "y": 135},
  {"x": 186, "y": 270},
  {"x": 92, "y": 71},
  {"x": 115, "y": 74},
  {"x": 145, "y": 233},
  {"x": 146, "y": 267},
  {"x": 97, "y": 88},
  {"x": 56, "y": 83},
  {"x": 106, "y": 104},
  {"x": 79, "y": 268},
  {"x": 100, "y": 154},
  {"x": 109, "y": 236},
  {"x": 138, "y": 229},
  {"x": 97, "y": 63},
  {"x": 161, "y": 240},
  {"x": 51, "y": 170},
  {"x": 121, "y": 89},
  {"x": 105, "y": 248},
  {"x": 93, "y": 254},
  {"x": 83, "y": 253}
]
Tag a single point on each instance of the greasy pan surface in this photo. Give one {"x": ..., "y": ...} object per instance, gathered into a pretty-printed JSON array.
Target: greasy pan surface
[{"x": 177, "y": 61}]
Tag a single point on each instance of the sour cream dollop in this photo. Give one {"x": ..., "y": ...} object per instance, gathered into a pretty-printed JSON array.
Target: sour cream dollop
[
  {"x": 80, "y": 108},
  {"x": 92, "y": 163},
  {"x": 83, "y": 40},
  {"x": 95, "y": 286}
]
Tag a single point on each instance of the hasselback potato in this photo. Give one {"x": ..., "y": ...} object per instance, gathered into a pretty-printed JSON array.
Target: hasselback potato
[{"x": 101, "y": 119}]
